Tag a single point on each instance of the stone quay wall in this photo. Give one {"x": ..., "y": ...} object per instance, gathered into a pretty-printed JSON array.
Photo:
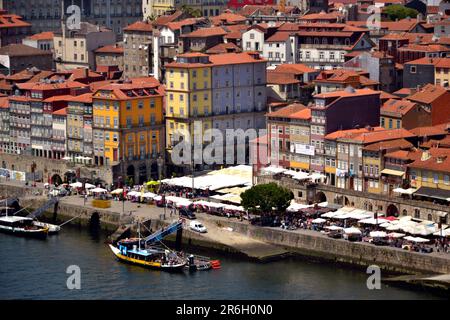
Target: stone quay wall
[{"x": 343, "y": 251}]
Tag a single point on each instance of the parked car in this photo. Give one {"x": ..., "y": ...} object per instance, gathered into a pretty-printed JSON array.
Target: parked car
[
  {"x": 186, "y": 213},
  {"x": 197, "y": 226}
]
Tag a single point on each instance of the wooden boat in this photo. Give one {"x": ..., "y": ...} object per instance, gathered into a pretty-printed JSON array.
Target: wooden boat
[
  {"x": 52, "y": 228},
  {"x": 22, "y": 226},
  {"x": 155, "y": 258}
]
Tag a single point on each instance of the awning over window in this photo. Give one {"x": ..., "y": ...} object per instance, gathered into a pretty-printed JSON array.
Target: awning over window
[
  {"x": 393, "y": 172},
  {"x": 433, "y": 193}
]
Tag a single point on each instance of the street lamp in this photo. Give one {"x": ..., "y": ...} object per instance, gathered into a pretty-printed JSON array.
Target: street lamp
[{"x": 160, "y": 162}]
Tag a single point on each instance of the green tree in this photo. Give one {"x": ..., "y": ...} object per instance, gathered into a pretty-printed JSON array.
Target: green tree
[
  {"x": 264, "y": 198},
  {"x": 398, "y": 12}
]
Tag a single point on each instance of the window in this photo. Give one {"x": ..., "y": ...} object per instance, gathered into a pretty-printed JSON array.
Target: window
[
  {"x": 435, "y": 178},
  {"x": 446, "y": 179},
  {"x": 417, "y": 213},
  {"x": 412, "y": 69},
  {"x": 128, "y": 105},
  {"x": 194, "y": 73},
  {"x": 252, "y": 36}
]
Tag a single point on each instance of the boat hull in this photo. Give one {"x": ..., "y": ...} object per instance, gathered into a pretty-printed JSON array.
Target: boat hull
[{"x": 37, "y": 234}]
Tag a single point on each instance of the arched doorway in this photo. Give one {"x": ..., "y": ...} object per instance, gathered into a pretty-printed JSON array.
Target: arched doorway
[
  {"x": 154, "y": 170},
  {"x": 130, "y": 173},
  {"x": 320, "y": 197},
  {"x": 70, "y": 176},
  {"x": 346, "y": 202},
  {"x": 392, "y": 210},
  {"x": 142, "y": 173},
  {"x": 56, "y": 180}
]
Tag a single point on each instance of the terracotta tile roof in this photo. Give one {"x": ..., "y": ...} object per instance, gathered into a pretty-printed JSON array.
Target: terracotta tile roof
[
  {"x": 278, "y": 37},
  {"x": 274, "y": 77},
  {"x": 383, "y": 135},
  {"x": 295, "y": 68},
  {"x": 139, "y": 26},
  {"x": 424, "y": 48},
  {"x": 147, "y": 84},
  {"x": 405, "y": 155},
  {"x": 397, "y": 107},
  {"x": 58, "y": 98},
  {"x": 222, "y": 59},
  {"x": 11, "y": 21},
  {"x": 350, "y": 133},
  {"x": 322, "y": 16},
  {"x": 433, "y": 164},
  {"x": 21, "y": 50},
  {"x": 4, "y": 102},
  {"x": 291, "y": 110},
  {"x": 401, "y": 25},
  {"x": 345, "y": 93},
  {"x": 205, "y": 33},
  {"x": 404, "y": 92},
  {"x": 61, "y": 112},
  {"x": 428, "y": 94},
  {"x": 50, "y": 86},
  {"x": 389, "y": 145},
  {"x": 235, "y": 31},
  {"x": 345, "y": 34},
  {"x": 110, "y": 49},
  {"x": 83, "y": 98},
  {"x": 443, "y": 143},
  {"x": 228, "y": 18},
  {"x": 224, "y": 48},
  {"x": 386, "y": 95},
  {"x": 47, "y": 35},
  {"x": 164, "y": 19},
  {"x": 176, "y": 25},
  {"x": 429, "y": 131}
]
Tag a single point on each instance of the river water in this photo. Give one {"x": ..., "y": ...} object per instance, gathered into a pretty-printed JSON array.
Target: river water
[{"x": 36, "y": 269}]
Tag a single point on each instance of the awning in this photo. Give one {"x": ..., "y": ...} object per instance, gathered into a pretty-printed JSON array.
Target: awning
[
  {"x": 393, "y": 172},
  {"x": 405, "y": 191},
  {"x": 440, "y": 194}
]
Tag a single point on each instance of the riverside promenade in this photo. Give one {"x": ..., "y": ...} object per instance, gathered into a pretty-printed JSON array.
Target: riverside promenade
[{"x": 254, "y": 241}]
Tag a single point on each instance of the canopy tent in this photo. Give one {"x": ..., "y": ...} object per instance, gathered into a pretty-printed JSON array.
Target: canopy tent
[
  {"x": 395, "y": 235},
  {"x": 152, "y": 183},
  {"x": 89, "y": 186},
  {"x": 67, "y": 158},
  {"x": 334, "y": 228},
  {"x": 443, "y": 233},
  {"x": 378, "y": 234},
  {"x": 178, "y": 201},
  {"x": 229, "y": 197},
  {"x": 405, "y": 191},
  {"x": 440, "y": 194},
  {"x": 117, "y": 191},
  {"x": 272, "y": 170},
  {"x": 330, "y": 214},
  {"x": 149, "y": 195},
  {"x": 372, "y": 221},
  {"x": 76, "y": 185},
  {"x": 416, "y": 239},
  {"x": 295, "y": 207},
  {"x": 352, "y": 230},
  {"x": 98, "y": 190},
  {"x": 319, "y": 220},
  {"x": 133, "y": 193}
]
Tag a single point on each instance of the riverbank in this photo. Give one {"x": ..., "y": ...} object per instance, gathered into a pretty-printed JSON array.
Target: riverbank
[{"x": 259, "y": 243}]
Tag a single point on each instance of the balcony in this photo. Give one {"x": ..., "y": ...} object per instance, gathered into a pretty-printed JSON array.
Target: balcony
[
  {"x": 321, "y": 60},
  {"x": 329, "y": 46}
]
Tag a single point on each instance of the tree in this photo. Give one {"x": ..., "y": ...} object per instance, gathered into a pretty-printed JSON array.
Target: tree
[
  {"x": 398, "y": 12},
  {"x": 263, "y": 198}
]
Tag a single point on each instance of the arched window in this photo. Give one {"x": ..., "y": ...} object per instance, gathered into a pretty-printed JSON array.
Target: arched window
[
  {"x": 335, "y": 41},
  {"x": 347, "y": 41},
  {"x": 324, "y": 41},
  {"x": 404, "y": 212},
  {"x": 316, "y": 41},
  {"x": 370, "y": 207},
  {"x": 430, "y": 217}
]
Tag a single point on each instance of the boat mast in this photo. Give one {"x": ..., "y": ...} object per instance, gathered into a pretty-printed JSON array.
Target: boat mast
[{"x": 139, "y": 235}]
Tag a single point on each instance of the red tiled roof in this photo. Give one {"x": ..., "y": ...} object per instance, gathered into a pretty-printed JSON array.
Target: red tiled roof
[
  {"x": 350, "y": 132},
  {"x": 50, "y": 86},
  {"x": 322, "y": 16},
  {"x": 140, "y": 26},
  {"x": 290, "y": 111},
  {"x": 84, "y": 98},
  {"x": 61, "y": 112},
  {"x": 47, "y": 35},
  {"x": 432, "y": 164},
  {"x": 21, "y": 50},
  {"x": 110, "y": 49},
  {"x": 400, "y": 107},
  {"x": 295, "y": 68},
  {"x": 429, "y": 131},
  {"x": 345, "y": 93},
  {"x": 11, "y": 21},
  {"x": 4, "y": 102},
  {"x": 221, "y": 59},
  {"x": 384, "y": 135},
  {"x": 228, "y": 18},
  {"x": 428, "y": 94},
  {"x": 424, "y": 48},
  {"x": 224, "y": 48},
  {"x": 274, "y": 77},
  {"x": 278, "y": 37},
  {"x": 205, "y": 32},
  {"x": 403, "y": 154},
  {"x": 389, "y": 145}
]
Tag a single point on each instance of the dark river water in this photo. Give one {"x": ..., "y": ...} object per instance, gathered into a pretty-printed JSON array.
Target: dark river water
[{"x": 36, "y": 269}]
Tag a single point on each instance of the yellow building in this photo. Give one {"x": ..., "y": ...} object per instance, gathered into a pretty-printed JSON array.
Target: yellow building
[
  {"x": 129, "y": 128},
  {"x": 188, "y": 95},
  {"x": 154, "y": 8},
  {"x": 442, "y": 72},
  {"x": 431, "y": 171}
]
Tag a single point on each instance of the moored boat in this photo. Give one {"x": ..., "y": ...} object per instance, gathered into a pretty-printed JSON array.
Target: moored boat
[
  {"x": 52, "y": 228},
  {"x": 155, "y": 258},
  {"x": 22, "y": 226}
]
